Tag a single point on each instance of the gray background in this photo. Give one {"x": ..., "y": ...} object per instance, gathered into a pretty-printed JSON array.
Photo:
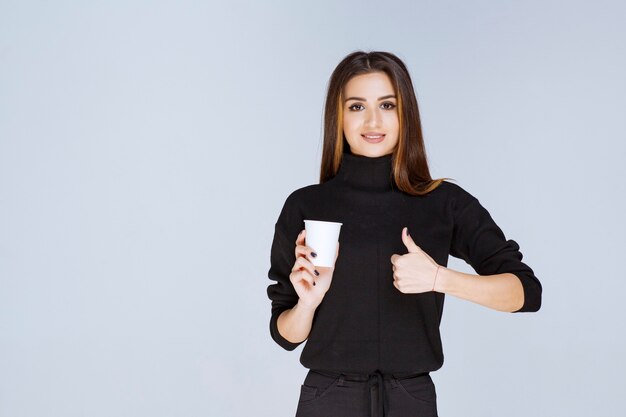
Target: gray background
[{"x": 146, "y": 149}]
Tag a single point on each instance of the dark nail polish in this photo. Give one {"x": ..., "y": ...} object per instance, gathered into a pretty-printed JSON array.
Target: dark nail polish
[
  {"x": 313, "y": 254},
  {"x": 313, "y": 282},
  {"x": 407, "y": 232},
  {"x": 317, "y": 273}
]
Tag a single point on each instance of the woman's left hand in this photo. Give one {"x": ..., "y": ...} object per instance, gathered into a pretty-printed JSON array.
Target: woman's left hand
[{"x": 413, "y": 272}]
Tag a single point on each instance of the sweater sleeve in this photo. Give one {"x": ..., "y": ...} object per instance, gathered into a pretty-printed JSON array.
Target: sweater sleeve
[
  {"x": 480, "y": 242},
  {"x": 282, "y": 258}
]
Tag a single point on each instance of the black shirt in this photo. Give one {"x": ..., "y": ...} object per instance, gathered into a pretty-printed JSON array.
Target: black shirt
[{"x": 364, "y": 323}]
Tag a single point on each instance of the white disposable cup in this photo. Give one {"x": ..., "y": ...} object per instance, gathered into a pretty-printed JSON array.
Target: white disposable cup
[{"x": 322, "y": 237}]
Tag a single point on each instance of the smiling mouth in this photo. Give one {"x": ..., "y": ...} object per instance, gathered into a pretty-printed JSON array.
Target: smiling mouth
[{"x": 374, "y": 138}]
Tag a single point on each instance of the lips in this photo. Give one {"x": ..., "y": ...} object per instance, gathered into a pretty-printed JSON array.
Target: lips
[
  {"x": 373, "y": 137},
  {"x": 372, "y": 134}
]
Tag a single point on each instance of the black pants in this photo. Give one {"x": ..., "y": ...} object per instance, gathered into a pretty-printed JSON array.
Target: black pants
[{"x": 331, "y": 394}]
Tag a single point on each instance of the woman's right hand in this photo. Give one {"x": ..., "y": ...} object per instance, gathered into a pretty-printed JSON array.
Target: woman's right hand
[{"x": 310, "y": 287}]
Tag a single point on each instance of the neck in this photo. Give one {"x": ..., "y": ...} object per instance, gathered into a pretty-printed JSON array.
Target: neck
[{"x": 373, "y": 173}]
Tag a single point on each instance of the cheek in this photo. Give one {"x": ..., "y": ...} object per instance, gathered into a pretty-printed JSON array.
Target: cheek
[
  {"x": 351, "y": 123},
  {"x": 391, "y": 119}
]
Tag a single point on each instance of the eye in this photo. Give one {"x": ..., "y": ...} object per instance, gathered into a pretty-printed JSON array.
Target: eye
[{"x": 389, "y": 104}]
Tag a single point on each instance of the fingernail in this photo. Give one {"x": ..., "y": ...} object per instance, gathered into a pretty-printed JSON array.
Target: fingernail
[
  {"x": 313, "y": 254},
  {"x": 313, "y": 282},
  {"x": 317, "y": 273},
  {"x": 407, "y": 232}
]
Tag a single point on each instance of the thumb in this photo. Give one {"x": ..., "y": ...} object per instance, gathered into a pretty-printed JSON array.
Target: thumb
[{"x": 408, "y": 241}]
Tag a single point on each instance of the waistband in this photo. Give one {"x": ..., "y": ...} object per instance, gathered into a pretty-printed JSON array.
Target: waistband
[
  {"x": 376, "y": 384},
  {"x": 366, "y": 377}
]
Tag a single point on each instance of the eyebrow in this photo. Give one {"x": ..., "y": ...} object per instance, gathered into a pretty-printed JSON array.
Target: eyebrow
[{"x": 362, "y": 99}]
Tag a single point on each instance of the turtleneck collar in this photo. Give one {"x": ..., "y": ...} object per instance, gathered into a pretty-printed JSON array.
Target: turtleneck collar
[{"x": 374, "y": 173}]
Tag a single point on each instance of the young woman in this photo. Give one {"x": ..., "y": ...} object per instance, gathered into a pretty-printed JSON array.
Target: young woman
[{"x": 372, "y": 320}]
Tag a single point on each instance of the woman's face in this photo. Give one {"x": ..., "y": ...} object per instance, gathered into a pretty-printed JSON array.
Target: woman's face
[{"x": 370, "y": 109}]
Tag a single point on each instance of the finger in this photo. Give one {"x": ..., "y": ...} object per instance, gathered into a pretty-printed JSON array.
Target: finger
[
  {"x": 395, "y": 258},
  {"x": 305, "y": 275},
  {"x": 303, "y": 263},
  {"x": 300, "y": 238},
  {"x": 409, "y": 242},
  {"x": 303, "y": 250},
  {"x": 301, "y": 275}
]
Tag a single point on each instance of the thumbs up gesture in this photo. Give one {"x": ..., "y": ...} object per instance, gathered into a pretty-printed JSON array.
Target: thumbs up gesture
[{"x": 416, "y": 271}]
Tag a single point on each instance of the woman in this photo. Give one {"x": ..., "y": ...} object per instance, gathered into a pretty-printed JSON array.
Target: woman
[{"x": 372, "y": 320}]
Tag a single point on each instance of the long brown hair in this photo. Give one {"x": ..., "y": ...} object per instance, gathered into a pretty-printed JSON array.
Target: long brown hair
[{"x": 409, "y": 161}]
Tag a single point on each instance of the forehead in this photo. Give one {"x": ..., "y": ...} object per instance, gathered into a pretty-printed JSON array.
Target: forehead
[{"x": 372, "y": 84}]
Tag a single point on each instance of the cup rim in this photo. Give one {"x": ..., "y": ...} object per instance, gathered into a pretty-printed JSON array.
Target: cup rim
[{"x": 322, "y": 221}]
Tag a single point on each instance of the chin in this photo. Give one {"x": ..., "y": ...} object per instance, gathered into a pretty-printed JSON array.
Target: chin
[{"x": 372, "y": 153}]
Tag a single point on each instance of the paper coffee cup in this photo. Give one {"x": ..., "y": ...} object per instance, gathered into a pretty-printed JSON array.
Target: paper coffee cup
[{"x": 322, "y": 237}]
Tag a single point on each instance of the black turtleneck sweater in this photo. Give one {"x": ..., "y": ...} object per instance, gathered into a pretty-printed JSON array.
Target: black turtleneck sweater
[{"x": 364, "y": 322}]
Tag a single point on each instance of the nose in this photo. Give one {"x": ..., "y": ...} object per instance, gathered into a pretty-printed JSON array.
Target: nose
[{"x": 373, "y": 118}]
